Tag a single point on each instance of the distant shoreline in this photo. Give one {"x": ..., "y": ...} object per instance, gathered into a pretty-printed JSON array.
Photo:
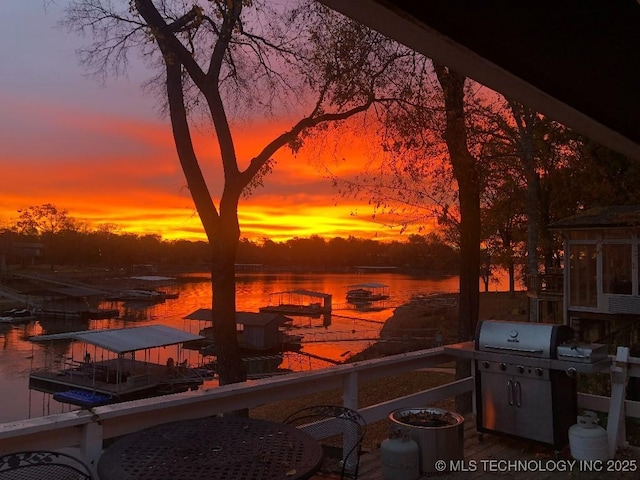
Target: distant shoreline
[{"x": 180, "y": 269}]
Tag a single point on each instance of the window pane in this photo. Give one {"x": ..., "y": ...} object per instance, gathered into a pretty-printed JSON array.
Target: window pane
[
  {"x": 616, "y": 269},
  {"x": 582, "y": 276}
]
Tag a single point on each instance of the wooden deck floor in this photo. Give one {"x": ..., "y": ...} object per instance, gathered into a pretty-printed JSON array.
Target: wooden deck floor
[{"x": 494, "y": 457}]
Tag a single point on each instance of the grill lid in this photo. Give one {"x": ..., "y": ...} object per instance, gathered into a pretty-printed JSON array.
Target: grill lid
[{"x": 521, "y": 338}]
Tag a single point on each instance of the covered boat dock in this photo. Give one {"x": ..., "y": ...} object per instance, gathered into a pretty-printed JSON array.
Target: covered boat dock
[
  {"x": 299, "y": 302},
  {"x": 109, "y": 369}
]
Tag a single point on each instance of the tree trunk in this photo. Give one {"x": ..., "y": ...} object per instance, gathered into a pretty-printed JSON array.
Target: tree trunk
[
  {"x": 224, "y": 248},
  {"x": 512, "y": 278},
  {"x": 223, "y": 233},
  {"x": 465, "y": 172},
  {"x": 524, "y": 118},
  {"x": 510, "y": 263}
]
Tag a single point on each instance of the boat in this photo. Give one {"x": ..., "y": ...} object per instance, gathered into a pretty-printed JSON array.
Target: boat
[
  {"x": 137, "y": 294},
  {"x": 17, "y": 315},
  {"x": 114, "y": 373},
  {"x": 169, "y": 295},
  {"x": 157, "y": 284},
  {"x": 298, "y": 302},
  {"x": 87, "y": 313},
  {"x": 367, "y": 292}
]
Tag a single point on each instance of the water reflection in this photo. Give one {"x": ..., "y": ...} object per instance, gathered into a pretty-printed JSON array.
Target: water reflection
[{"x": 326, "y": 340}]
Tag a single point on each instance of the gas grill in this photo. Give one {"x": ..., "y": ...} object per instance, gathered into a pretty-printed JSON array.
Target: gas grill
[{"x": 525, "y": 378}]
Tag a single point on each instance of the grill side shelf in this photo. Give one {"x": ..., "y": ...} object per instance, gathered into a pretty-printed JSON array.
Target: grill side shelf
[{"x": 582, "y": 367}]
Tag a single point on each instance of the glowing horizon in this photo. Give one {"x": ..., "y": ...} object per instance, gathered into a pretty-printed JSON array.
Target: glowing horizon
[
  {"x": 103, "y": 154},
  {"x": 134, "y": 182}
]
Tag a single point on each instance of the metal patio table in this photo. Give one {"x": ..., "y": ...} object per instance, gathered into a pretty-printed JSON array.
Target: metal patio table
[{"x": 213, "y": 448}]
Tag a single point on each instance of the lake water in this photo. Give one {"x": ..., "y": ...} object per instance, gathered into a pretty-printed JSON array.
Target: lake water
[{"x": 349, "y": 331}]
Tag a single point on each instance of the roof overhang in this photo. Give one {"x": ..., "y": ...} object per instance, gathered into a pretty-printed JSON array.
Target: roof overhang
[
  {"x": 600, "y": 218},
  {"x": 575, "y": 61}
]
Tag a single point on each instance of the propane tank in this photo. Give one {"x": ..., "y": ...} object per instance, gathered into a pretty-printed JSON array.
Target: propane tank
[
  {"x": 587, "y": 439},
  {"x": 400, "y": 456}
]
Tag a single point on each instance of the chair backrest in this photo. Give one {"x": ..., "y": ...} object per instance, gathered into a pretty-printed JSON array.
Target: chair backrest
[
  {"x": 43, "y": 464},
  {"x": 339, "y": 429}
]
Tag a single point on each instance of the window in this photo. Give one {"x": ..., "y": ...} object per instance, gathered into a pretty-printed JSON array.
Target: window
[
  {"x": 583, "y": 290},
  {"x": 616, "y": 269}
]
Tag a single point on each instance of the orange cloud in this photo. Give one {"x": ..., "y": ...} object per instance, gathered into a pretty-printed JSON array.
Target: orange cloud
[
  {"x": 106, "y": 168},
  {"x": 103, "y": 154}
]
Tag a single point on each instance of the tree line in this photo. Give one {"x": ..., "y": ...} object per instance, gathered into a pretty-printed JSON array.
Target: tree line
[{"x": 68, "y": 241}]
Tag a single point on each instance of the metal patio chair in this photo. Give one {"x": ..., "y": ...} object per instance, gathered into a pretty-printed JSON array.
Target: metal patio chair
[
  {"x": 339, "y": 430},
  {"x": 43, "y": 465}
]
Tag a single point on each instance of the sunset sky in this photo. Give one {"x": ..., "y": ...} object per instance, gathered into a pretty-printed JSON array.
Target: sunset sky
[{"x": 104, "y": 153}]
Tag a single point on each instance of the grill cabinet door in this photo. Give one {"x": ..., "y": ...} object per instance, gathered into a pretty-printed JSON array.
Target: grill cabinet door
[
  {"x": 497, "y": 405},
  {"x": 534, "y": 409},
  {"x": 539, "y": 408}
]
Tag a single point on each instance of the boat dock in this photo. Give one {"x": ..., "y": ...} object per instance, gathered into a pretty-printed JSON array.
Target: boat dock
[
  {"x": 299, "y": 302},
  {"x": 57, "y": 300},
  {"x": 114, "y": 374}
]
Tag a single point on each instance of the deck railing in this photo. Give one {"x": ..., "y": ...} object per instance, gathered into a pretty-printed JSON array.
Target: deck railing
[{"x": 86, "y": 430}]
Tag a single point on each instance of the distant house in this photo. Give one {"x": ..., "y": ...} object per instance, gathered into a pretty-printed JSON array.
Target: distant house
[
  {"x": 16, "y": 252},
  {"x": 27, "y": 252},
  {"x": 601, "y": 293}
]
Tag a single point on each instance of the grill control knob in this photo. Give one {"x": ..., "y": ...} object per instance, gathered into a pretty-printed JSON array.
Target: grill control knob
[
  {"x": 539, "y": 372},
  {"x": 485, "y": 364},
  {"x": 503, "y": 366},
  {"x": 520, "y": 369},
  {"x": 572, "y": 372}
]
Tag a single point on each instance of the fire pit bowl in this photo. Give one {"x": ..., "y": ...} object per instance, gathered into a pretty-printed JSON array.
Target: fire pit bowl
[{"x": 439, "y": 434}]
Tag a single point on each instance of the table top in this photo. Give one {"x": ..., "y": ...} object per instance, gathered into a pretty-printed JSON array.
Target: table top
[{"x": 213, "y": 448}]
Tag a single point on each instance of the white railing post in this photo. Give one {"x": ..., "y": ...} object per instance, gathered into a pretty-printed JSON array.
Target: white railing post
[
  {"x": 350, "y": 391},
  {"x": 349, "y": 400},
  {"x": 91, "y": 443},
  {"x": 616, "y": 432}
]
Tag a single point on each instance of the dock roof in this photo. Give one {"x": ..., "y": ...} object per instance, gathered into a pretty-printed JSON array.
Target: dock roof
[
  {"x": 122, "y": 340},
  {"x": 66, "y": 291},
  {"x": 301, "y": 291},
  {"x": 368, "y": 285},
  {"x": 244, "y": 318}
]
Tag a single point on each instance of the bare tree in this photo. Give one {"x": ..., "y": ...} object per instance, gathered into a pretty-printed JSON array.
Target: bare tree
[
  {"x": 226, "y": 59},
  {"x": 40, "y": 220}
]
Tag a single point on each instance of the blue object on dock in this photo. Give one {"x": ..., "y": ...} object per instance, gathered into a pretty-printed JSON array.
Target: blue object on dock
[{"x": 82, "y": 398}]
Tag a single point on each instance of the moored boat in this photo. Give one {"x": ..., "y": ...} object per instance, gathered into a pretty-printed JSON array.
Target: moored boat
[
  {"x": 137, "y": 294},
  {"x": 367, "y": 292},
  {"x": 17, "y": 315}
]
